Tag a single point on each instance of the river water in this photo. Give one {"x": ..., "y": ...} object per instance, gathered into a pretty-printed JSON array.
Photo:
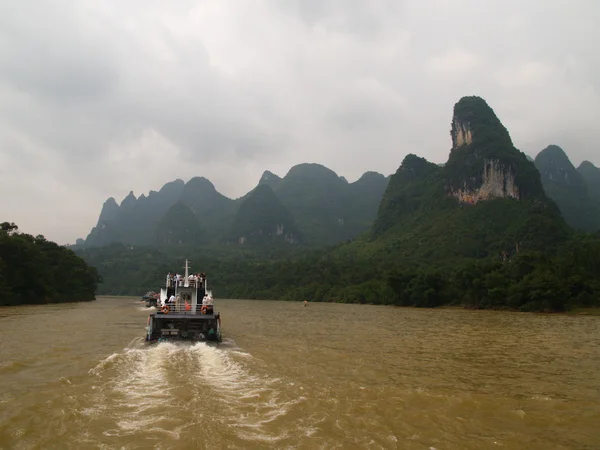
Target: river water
[{"x": 326, "y": 376}]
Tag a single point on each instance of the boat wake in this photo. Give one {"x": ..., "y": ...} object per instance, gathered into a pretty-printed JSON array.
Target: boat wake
[
  {"x": 136, "y": 392},
  {"x": 146, "y": 308},
  {"x": 253, "y": 401},
  {"x": 166, "y": 388}
]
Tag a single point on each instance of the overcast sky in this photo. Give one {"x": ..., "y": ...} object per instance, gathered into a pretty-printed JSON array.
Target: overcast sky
[{"x": 100, "y": 97}]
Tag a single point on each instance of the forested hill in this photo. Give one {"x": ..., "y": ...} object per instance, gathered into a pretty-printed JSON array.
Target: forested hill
[
  {"x": 568, "y": 187},
  {"x": 34, "y": 270},
  {"x": 486, "y": 201},
  {"x": 478, "y": 231},
  {"x": 312, "y": 203}
]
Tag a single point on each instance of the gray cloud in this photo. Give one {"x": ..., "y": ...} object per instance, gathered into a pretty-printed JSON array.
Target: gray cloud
[{"x": 101, "y": 97}]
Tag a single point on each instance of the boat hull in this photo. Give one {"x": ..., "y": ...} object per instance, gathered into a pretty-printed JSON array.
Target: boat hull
[{"x": 183, "y": 327}]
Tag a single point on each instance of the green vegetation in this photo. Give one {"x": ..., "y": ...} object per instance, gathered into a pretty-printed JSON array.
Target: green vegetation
[
  {"x": 527, "y": 281},
  {"x": 567, "y": 187},
  {"x": 591, "y": 175},
  {"x": 325, "y": 209},
  {"x": 262, "y": 218},
  {"x": 35, "y": 270},
  {"x": 425, "y": 248},
  {"x": 178, "y": 226},
  {"x": 490, "y": 141}
]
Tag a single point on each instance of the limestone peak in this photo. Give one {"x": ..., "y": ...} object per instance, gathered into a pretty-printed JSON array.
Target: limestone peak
[{"x": 483, "y": 162}]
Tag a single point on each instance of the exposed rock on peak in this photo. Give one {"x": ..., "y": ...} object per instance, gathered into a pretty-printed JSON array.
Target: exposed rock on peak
[
  {"x": 498, "y": 181},
  {"x": 461, "y": 133},
  {"x": 474, "y": 122},
  {"x": 421, "y": 218},
  {"x": 483, "y": 163}
]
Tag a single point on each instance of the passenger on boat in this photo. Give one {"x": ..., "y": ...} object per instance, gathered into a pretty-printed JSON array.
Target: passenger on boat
[
  {"x": 172, "y": 299},
  {"x": 209, "y": 304},
  {"x": 205, "y": 306}
]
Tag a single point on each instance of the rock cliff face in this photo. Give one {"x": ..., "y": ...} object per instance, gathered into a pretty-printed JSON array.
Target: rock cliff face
[
  {"x": 498, "y": 181},
  {"x": 483, "y": 162},
  {"x": 486, "y": 201},
  {"x": 461, "y": 133}
]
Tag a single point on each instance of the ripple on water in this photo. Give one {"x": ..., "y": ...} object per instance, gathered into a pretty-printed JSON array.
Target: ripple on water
[
  {"x": 345, "y": 376},
  {"x": 143, "y": 389}
]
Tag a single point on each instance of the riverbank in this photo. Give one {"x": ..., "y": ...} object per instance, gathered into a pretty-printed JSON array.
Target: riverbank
[
  {"x": 583, "y": 312},
  {"x": 578, "y": 311}
]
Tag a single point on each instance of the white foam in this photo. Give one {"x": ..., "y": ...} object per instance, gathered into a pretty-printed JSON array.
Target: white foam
[
  {"x": 253, "y": 401},
  {"x": 141, "y": 391}
]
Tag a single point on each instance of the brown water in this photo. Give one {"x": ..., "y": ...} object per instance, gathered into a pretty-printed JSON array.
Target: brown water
[{"x": 326, "y": 376}]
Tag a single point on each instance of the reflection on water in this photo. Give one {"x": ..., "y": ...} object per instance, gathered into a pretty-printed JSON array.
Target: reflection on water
[{"x": 326, "y": 376}]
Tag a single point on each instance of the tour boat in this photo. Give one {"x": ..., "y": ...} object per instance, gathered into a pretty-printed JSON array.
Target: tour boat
[{"x": 180, "y": 313}]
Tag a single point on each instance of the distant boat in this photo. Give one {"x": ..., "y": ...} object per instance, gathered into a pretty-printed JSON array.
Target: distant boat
[
  {"x": 151, "y": 298},
  {"x": 190, "y": 317}
]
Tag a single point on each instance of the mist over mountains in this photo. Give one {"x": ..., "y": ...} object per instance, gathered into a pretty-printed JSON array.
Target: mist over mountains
[
  {"x": 490, "y": 228},
  {"x": 575, "y": 191},
  {"x": 311, "y": 205}
]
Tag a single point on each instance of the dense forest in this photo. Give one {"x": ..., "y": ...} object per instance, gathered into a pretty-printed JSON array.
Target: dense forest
[
  {"x": 34, "y": 270},
  {"x": 488, "y": 229},
  {"x": 566, "y": 277}
]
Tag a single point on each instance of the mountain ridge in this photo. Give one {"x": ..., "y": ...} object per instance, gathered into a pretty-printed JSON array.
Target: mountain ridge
[
  {"x": 215, "y": 212},
  {"x": 487, "y": 200}
]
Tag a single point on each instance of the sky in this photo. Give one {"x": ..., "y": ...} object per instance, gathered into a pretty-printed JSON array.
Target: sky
[{"x": 101, "y": 97}]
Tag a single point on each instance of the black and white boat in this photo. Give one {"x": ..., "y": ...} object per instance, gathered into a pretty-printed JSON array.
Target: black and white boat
[{"x": 185, "y": 311}]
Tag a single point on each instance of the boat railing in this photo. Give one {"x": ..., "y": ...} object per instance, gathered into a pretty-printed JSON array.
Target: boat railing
[
  {"x": 190, "y": 282},
  {"x": 175, "y": 308}
]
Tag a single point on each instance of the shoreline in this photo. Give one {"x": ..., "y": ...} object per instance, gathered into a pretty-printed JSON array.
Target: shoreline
[{"x": 577, "y": 311}]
